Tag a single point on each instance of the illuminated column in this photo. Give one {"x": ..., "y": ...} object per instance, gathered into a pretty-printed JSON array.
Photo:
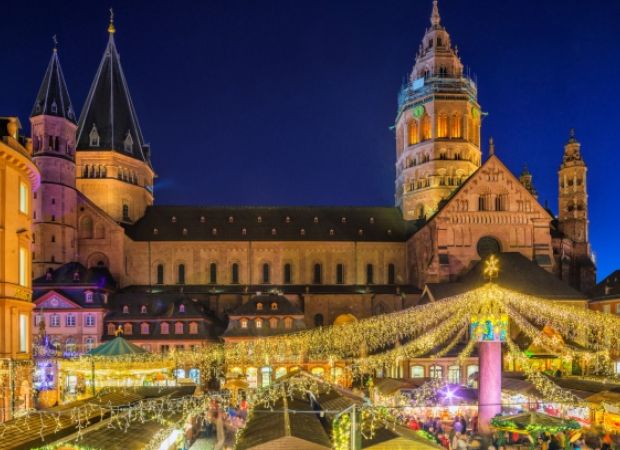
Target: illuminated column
[{"x": 490, "y": 386}]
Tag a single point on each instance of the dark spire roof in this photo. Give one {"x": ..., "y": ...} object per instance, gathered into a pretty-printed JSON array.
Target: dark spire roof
[
  {"x": 108, "y": 120},
  {"x": 53, "y": 97}
]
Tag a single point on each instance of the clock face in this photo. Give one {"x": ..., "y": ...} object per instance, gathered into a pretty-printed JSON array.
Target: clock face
[{"x": 418, "y": 111}]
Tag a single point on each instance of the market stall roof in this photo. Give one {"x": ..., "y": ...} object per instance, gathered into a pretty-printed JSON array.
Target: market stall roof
[
  {"x": 399, "y": 438},
  {"x": 118, "y": 346},
  {"x": 283, "y": 428},
  {"x": 533, "y": 421},
  {"x": 389, "y": 386}
]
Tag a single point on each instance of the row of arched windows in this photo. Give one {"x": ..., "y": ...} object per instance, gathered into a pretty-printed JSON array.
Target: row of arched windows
[
  {"x": 317, "y": 274},
  {"x": 43, "y": 143},
  {"x": 488, "y": 202},
  {"x": 412, "y": 185},
  {"x": 127, "y": 175},
  {"x": 94, "y": 171},
  {"x": 447, "y": 127},
  {"x": 146, "y": 327}
]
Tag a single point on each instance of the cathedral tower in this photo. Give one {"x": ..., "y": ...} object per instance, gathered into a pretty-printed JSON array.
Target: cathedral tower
[
  {"x": 577, "y": 266},
  {"x": 113, "y": 162},
  {"x": 573, "y": 198},
  {"x": 53, "y": 127},
  {"x": 437, "y": 126}
]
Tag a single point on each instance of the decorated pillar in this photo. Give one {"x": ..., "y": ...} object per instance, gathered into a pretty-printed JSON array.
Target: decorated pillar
[{"x": 490, "y": 385}]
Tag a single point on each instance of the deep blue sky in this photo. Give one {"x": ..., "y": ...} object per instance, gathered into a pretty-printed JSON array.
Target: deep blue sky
[{"x": 289, "y": 102}]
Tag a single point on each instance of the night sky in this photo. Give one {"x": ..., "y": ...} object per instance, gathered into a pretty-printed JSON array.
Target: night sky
[{"x": 290, "y": 103}]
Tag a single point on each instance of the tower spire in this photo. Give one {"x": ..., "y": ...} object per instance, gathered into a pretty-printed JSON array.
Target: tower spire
[
  {"x": 435, "y": 19},
  {"x": 491, "y": 146},
  {"x": 111, "y": 27},
  {"x": 55, "y": 41}
]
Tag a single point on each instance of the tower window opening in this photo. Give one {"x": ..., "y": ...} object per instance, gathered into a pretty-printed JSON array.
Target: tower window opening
[
  {"x": 288, "y": 275},
  {"x": 235, "y": 273},
  {"x": 370, "y": 274},
  {"x": 426, "y": 127},
  {"x": 340, "y": 274},
  {"x": 93, "y": 136},
  {"x": 317, "y": 277},
  {"x": 266, "y": 273},
  {"x": 413, "y": 134},
  {"x": 128, "y": 143}
]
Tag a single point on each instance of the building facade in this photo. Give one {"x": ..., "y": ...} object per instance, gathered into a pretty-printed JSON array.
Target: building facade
[{"x": 19, "y": 178}]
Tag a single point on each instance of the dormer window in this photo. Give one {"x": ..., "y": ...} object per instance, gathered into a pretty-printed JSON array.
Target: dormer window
[
  {"x": 332, "y": 232},
  {"x": 184, "y": 231},
  {"x": 155, "y": 231},
  {"x": 54, "y": 108},
  {"x": 181, "y": 308},
  {"x": 389, "y": 232},
  {"x": 214, "y": 231},
  {"x": 302, "y": 231},
  {"x": 202, "y": 219},
  {"x": 125, "y": 309},
  {"x": 244, "y": 232},
  {"x": 372, "y": 220},
  {"x": 174, "y": 219},
  {"x": 88, "y": 296},
  {"x": 259, "y": 219},
  {"x": 128, "y": 143},
  {"x": 343, "y": 220},
  {"x": 360, "y": 232},
  {"x": 143, "y": 309},
  {"x": 288, "y": 219},
  {"x": 273, "y": 231},
  {"x": 274, "y": 306},
  {"x": 259, "y": 306},
  {"x": 93, "y": 136},
  {"x": 316, "y": 219},
  {"x": 76, "y": 276},
  {"x": 231, "y": 219}
]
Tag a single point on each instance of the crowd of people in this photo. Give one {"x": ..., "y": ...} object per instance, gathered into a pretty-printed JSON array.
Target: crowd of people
[
  {"x": 461, "y": 433},
  {"x": 222, "y": 423}
]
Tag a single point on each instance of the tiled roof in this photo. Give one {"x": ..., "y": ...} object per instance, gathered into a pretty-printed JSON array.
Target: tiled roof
[
  {"x": 240, "y": 223},
  {"x": 53, "y": 96},
  {"x": 517, "y": 273},
  {"x": 95, "y": 277},
  {"x": 283, "y": 307},
  {"x": 609, "y": 287},
  {"x": 109, "y": 111}
]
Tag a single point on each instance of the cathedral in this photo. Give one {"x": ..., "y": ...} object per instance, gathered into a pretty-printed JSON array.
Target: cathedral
[{"x": 106, "y": 258}]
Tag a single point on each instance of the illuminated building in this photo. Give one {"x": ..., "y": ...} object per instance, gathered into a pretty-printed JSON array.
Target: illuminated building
[{"x": 19, "y": 177}]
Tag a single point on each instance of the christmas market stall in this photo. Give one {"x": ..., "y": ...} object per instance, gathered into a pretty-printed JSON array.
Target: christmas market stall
[
  {"x": 117, "y": 363},
  {"x": 532, "y": 424}
]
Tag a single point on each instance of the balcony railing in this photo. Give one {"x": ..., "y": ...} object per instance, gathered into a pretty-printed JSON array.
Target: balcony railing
[{"x": 433, "y": 85}]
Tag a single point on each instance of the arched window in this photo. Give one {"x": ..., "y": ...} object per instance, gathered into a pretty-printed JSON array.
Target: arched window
[
  {"x": 181, "y": 308},
  {"x": 436, "y": 372},
  {"x": 391, "y": 278},
  {"x": 125, "y": 309},
  {"x": 93, "y": 136},
  {"x": 273, "y": 323},
  {"x": 234, "y": 276},
  {"x": 488, "y": 246},
  {"x": 340, "y": 274},
  {"x": 143, "y": 309},
  {"x": 413, "y": 135},
  {"x": 213, "y": 273},
  {"x": 498, "y": 203},
  {"x": 454, "y": 374},
  {"x": 243, "y": 323},
  {"x": 144, "y": 328},
  {"x": 416, "y": 372},
  {"x": 160, "y": 274},
  {"x": 481, "y": 203},
  {"x": 317, "y": 276},
  {"x": 128, "y": 329},
  {"x": 266, "y": 273},
  {"x": 426, "y": 127},
  {"x": 193, "y": 328},
  {"x": 288, "y": 276},
  {"x": 318, "y": 320},
  {"x": 86, "y": 228},
  {"x": 181, "y": 274},
  {"x": 274, "y": 306},
  {"x": 178, "y": 328},
  {"x": 442, "y": 126},
  {"x": 259, "y": 323},
  {"x": 455, "y": 126},
  {"x": 370, "y": 274},
  {"x": 111, "y": 329},
  {"x": 164, "y": 328},
  {"x": 259, "y": 306},
  {"x": 288, "y": 323}
]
